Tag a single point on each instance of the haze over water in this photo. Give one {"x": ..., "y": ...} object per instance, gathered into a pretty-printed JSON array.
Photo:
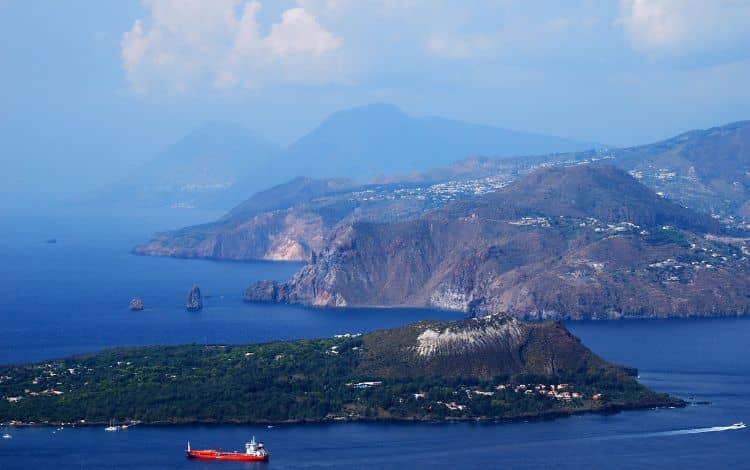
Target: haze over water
[
  {"x": 111, "y": 112},
  {"x": 71, "y": 297}
]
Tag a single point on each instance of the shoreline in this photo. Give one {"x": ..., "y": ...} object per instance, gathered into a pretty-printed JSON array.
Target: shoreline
[
  {"x": 336, "y": 379},
  {"x": 135, "y": 252},
  {"x": 469, "y": 314},
  {"x": 672, "y": 402}
]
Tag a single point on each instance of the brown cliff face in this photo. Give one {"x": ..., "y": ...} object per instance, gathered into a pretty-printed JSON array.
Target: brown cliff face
[
  {"x": 586, "y": 241},
  {"x": 284, "y": 235},
  {"x": 279, "y": 224},
  {"x": 480, "y": 347},
  {"x": 289, "y": 222},
  {"x": 706, "y": 170}
]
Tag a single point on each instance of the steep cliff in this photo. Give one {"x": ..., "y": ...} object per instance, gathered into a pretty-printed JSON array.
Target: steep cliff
[
  {"x": 284, "y": 223},
  {"x": 586, "y": 241},
  {"x": 291, "y": 221},
  {"x": 705, "y": 170}
]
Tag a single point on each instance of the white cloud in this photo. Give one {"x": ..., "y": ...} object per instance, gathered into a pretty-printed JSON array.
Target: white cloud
[
  {"x": 182, "y": 44},
  {"x": 667, "y": 28},
  {"x": 300, "y": 33}
]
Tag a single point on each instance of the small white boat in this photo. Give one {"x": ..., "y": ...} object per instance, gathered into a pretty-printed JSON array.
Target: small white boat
[
  {"x": 112, "y": 427},
  {"x": 739, "y": 425},
  {"x": 7, "y": 436}
]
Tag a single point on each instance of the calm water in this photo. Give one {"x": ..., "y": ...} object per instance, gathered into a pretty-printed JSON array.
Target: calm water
[{"x": 72, "y": 297}]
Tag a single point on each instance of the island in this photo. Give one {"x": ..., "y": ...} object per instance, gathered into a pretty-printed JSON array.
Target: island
[
  {"x": 562, "y": 243},
  {"x": 194, "y": 300},
  {"x": 705, "y": 170},
  {"x": 488, "y": 368}
]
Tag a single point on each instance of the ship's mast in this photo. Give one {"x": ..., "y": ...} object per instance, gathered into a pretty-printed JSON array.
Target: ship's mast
[{"x": 251, "y": 447}]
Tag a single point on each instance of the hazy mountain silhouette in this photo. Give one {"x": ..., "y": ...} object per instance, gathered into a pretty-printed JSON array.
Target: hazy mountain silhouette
[{"x": 220, "y": 165}]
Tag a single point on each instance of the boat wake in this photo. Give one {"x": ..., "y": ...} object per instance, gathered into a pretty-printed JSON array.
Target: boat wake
[
  {"x": 679, "y": 432},
  {"x": 532, "y": 444}
]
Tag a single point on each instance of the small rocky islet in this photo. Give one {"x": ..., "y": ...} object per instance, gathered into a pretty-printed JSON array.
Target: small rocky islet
[{"x": 194, "y": 300}]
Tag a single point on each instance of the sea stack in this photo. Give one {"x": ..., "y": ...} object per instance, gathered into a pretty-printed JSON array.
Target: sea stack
[
  {"x": 194, "y": 301},
  {"x": 136, "y": 304}
]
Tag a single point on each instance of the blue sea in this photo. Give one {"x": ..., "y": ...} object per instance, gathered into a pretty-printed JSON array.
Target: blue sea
[{"x": 71, "y": 297}]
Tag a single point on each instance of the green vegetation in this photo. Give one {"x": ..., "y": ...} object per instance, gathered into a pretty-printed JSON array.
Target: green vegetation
[
  {"x": 666, "y": 236},
  {"x": 285, "y": 381}
]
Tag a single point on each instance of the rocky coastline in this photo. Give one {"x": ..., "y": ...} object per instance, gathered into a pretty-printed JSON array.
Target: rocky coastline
[{"x": 584, "y": 242}]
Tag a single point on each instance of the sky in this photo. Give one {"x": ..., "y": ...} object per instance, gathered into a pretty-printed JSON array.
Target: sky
[{"x": 92, "y": 89}]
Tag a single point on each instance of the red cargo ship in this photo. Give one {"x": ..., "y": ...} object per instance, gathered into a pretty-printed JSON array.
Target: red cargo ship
[{"x": 254, "y": 452}]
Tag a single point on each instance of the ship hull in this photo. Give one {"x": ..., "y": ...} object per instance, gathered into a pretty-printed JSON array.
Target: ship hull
[{"x": 232, "y": 456}]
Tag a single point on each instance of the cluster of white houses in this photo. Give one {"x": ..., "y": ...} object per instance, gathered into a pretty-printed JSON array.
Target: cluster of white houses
[{"x": 560, "y": 392}]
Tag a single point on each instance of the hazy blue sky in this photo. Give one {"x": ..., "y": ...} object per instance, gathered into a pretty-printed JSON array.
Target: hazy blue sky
[{"x": 92, "y": 88}]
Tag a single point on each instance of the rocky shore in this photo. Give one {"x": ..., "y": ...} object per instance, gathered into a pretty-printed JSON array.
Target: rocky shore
[{"x": 587, "y": 241}]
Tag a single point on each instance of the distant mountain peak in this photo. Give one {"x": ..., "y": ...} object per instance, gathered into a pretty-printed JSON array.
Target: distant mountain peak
[
  {"x": 381, "y": 139},
  {"x": 201, "y": 169},
  {"x": 227, "y": 162}
]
